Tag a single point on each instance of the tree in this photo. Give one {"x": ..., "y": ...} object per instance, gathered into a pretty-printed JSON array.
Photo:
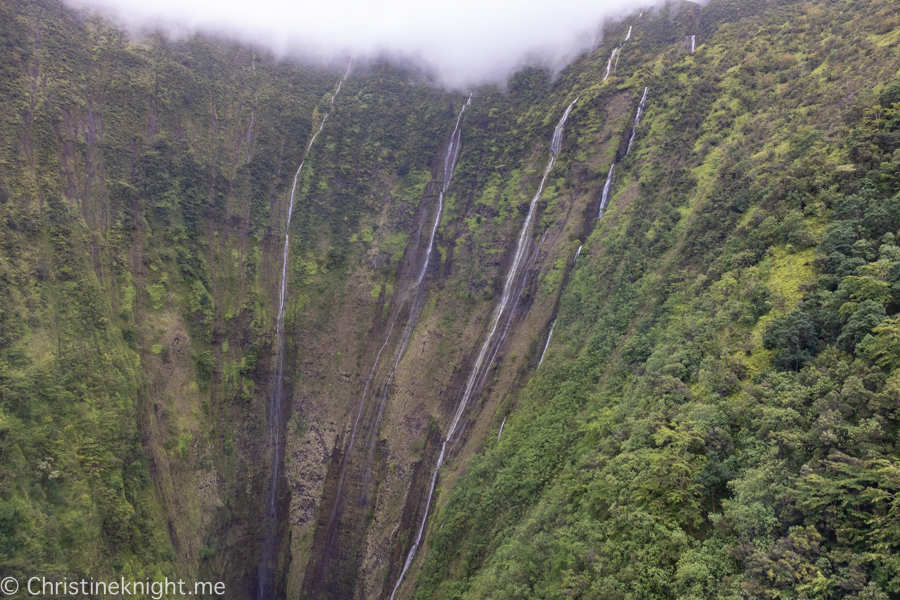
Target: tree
[
  {"x": 884, "y": 347},
  {"x": 794, "y": 338},
  {"x": 867, "y": 316}
]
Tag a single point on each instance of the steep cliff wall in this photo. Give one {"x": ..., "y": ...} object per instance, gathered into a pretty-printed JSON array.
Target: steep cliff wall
[{"x": 707, "y": 402}]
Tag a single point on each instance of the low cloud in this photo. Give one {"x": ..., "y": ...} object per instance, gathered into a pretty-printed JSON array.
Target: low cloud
[{"x": 464, "y": 42}]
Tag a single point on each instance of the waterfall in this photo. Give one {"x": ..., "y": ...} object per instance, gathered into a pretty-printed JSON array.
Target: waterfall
[
  {"x": 446, "y": 175},
  {"x": 577, "y": 253},
  {"x": 511, "y": 284},
  {"x": 417, "y": 294},
  {"x": 637, "y": 119},
  {"x": 605, "y": 197},
  {"x": 640, "y": 110},
  {"x": 274, "y": 416},
  {"x": 498, "y": 433},
  {"x": 616, "y": 54},
  {"x": 693, "y": 43},
  {"x": 609, "y": 64},
  {"x": 547, "y": 345}
]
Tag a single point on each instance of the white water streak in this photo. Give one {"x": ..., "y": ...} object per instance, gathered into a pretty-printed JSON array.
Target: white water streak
[
  {"x": 547, "y": 345},
  {"x": 275, "y": 404},
  {"x": 449, "y": 165},
  {"x": 637, "y": 119},
  {"x": 604, "y": 198},
  {"x": 446, "y": 175},
  {"x": 640, "y": 110},
  {"x": 609, "y": 64},
  {"x": 693, "y": 43},
  {"x": 628, "y": 37},
  {"x": 498, "y": 433},
  {"x": 499, "y": 311},
  {"x": 577, "y": 254}
]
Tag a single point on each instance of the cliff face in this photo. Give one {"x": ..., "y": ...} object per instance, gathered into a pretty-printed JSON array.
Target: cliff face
[{"x": 714, "y": 414}]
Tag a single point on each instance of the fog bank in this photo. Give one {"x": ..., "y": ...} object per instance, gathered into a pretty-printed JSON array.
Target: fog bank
[{"x": 465, "y": 42}]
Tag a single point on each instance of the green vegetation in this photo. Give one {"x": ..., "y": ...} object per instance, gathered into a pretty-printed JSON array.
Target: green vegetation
[
  {"x": 143, "y": 188},
  {"x": 717, "y": 416}
]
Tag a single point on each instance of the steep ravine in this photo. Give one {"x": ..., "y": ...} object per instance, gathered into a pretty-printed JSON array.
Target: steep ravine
[
  {"x": 342, "y": 525},
  {"x": 367, "y": 555},
  {"x": 276, "y": 421}
]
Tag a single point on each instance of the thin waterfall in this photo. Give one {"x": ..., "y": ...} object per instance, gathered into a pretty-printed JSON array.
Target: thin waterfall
[
  {"x": 267, "y": 557},
  {"x": 577, "y": 254},
  {"x": 449, "y": 164},
  {"x": 640, "y": 110},
  {"x": 446, "y": 175},
  {"x": 610, "y": 63},
  {"x": 637, "y": 119},
  {"x": 547, "y": 345},
  {"x": 693, "y": 43},
  {"x": 604, "y": 198},
  {"x": 617, "y": 54},
  {"x": 499, "y": 433},
  {"x": 499, "y": 312}
]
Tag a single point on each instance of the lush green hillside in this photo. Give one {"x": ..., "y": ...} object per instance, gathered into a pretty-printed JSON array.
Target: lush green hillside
[
  {"x": 715, "y": 417},
  {"x": 717, "y": 413}
]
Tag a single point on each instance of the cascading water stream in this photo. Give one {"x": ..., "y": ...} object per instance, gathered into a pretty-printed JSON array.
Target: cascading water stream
[
  {"x": 498, "y": 313},
  {"x": 610, "y": 63},
  {"x": 381, "y": 390},
  {"x": 499, "y": 433},
  {"x": 275, "y": 403},
  {"x": 693, "y": 43},
  {"x": 604, "y": 198},
  {"x": 640, "y": 110},
  {"x": 637, "y": 119},
  {"x": 547, "y": 345},
  {"x": 577, "y": 254},
  {"x": 447, "y": 174},
  {"x": 616, "y": 55}
]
